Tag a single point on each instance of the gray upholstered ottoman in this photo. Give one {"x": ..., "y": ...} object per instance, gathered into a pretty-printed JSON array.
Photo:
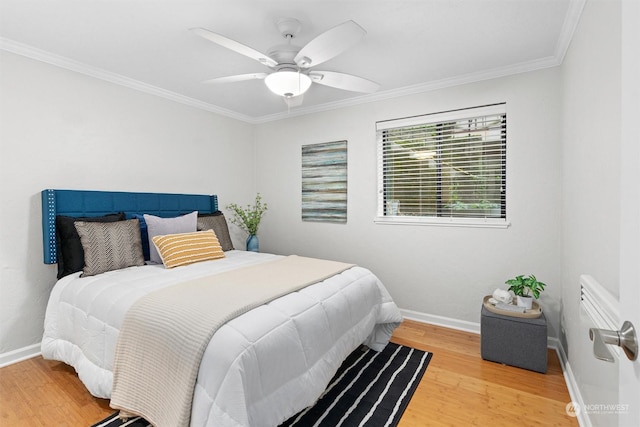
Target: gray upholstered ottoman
[{"x": 514, "y": 341}]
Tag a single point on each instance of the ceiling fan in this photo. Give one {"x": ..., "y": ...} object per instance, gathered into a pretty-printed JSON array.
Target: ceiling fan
[{"x": 292, "y": 73}]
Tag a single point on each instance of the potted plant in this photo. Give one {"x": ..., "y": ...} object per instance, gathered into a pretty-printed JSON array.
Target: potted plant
[
  {"x": 525, "y": 289},
  {"x": 249, "y": 219}
]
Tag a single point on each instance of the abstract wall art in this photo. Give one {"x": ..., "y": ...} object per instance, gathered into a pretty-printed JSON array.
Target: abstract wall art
[{"x": 324, "y": 182}]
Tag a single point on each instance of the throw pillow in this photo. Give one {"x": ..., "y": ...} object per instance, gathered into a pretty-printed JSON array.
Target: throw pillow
[
  {"x": 218, "y": 224},
  {"x": 157, "y": 226},
  {"x": 70, "y": 252},
  {"x": 188, "y": 248},
  {"x": 110, "y": 245}
]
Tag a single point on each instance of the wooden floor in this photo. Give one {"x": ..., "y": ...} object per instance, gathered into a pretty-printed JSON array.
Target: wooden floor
[
  {"x": 458, "y": 389},
  {"x": 461, "y": 389}
]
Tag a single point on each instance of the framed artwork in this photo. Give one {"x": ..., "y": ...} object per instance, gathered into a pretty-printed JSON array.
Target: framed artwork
[{"x": 324, "y": 182}]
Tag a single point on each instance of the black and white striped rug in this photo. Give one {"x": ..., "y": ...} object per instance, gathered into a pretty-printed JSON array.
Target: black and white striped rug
[{"x": 370, "y": 389}]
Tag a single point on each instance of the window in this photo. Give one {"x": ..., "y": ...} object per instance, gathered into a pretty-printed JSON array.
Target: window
[{"x": 445, "y": 168}]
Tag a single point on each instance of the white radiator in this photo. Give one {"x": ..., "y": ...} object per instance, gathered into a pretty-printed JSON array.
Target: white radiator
[
  {"x": 598, "y": 379},
  {"x": 602, "y": 308}
]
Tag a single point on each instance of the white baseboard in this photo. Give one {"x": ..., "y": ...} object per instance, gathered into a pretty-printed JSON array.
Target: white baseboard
[
  {"x": 447, "y": 322},
  {"x": 15, "y": 356},
  {"x": 572, "y": 385}
]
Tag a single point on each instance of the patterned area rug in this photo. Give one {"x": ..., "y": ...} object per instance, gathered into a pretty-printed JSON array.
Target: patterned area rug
[{"x": 370, "y": 389}]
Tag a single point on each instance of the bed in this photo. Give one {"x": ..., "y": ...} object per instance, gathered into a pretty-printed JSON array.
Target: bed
[{"x": 259, "y": 368}]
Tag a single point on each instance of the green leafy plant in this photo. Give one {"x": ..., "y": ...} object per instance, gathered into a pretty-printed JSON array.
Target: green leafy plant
[
  {"x": 526, "y": 286},
  {"x": 248, "y": 218}
]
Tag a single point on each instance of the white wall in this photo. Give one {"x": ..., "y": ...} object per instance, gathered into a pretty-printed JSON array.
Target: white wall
[
  {"x": 591, "y": 129},
  {"x": 443, "y": 271},
  {"x": 61, "y": 129},
  {"x": 591, "y": 148}
]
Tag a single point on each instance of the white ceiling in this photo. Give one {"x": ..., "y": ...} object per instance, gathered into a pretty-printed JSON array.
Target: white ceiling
[{"x": 410, "y": 46}]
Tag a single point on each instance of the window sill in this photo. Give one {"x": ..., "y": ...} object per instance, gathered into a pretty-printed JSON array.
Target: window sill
[{"x": 443, "y": 222}]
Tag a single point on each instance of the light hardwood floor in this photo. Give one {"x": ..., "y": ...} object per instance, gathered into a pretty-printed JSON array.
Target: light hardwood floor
[
  {"x": 461, "y": 389},
  {"x": 458, "y": 389}
]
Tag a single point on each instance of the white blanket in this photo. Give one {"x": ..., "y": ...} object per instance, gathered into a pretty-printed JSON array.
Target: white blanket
[{"x": 258, "y": 369}]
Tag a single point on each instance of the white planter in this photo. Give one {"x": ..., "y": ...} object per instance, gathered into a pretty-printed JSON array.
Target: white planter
[{"x": 524, "y": 302}]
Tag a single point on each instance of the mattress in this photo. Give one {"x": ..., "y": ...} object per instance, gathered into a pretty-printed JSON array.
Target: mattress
[{"x": 260, "y": 368}]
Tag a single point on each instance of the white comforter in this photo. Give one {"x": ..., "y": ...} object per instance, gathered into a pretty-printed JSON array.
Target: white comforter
[{"x": 260, "y": 368}]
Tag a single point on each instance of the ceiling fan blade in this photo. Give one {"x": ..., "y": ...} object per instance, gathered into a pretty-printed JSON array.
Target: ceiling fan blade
[
  {"x": 235, "y": 46},
  {"x": 238, "y": 78},
  {"x": 344, "y": 81},
  {"x": 329, "y": 44}
]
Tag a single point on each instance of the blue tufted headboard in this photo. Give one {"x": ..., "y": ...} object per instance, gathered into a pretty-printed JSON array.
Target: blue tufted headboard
[{"x": 96, "y": 203}]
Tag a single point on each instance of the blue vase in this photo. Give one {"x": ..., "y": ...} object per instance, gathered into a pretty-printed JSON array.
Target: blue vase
[{"x": 252, "y": 243}]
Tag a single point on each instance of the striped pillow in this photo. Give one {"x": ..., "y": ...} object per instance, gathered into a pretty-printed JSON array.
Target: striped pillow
[{"x": 187, "y": 248}]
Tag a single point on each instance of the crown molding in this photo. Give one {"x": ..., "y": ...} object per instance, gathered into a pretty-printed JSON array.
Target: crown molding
[
  {"x": 523, "y": 67},
  {"x": 79, "y": 67},
  {"x": 571, "y": 20}
]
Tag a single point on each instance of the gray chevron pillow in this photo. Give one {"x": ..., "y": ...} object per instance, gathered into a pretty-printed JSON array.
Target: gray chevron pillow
[{"x": 110, "y": 245}]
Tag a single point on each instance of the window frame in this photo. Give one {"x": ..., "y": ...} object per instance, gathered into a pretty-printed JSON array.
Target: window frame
[{"x": 431, "y": 119}]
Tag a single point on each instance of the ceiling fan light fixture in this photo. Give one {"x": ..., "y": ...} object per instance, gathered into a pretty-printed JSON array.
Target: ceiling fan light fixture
[{"x": 288, "y": 83}]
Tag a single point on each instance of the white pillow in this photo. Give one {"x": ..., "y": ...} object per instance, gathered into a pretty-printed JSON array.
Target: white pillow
[{"x": 157, "y": 226}]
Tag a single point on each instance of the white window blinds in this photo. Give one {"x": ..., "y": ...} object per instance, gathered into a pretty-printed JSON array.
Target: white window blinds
[{"x": 448, "y": 166}]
